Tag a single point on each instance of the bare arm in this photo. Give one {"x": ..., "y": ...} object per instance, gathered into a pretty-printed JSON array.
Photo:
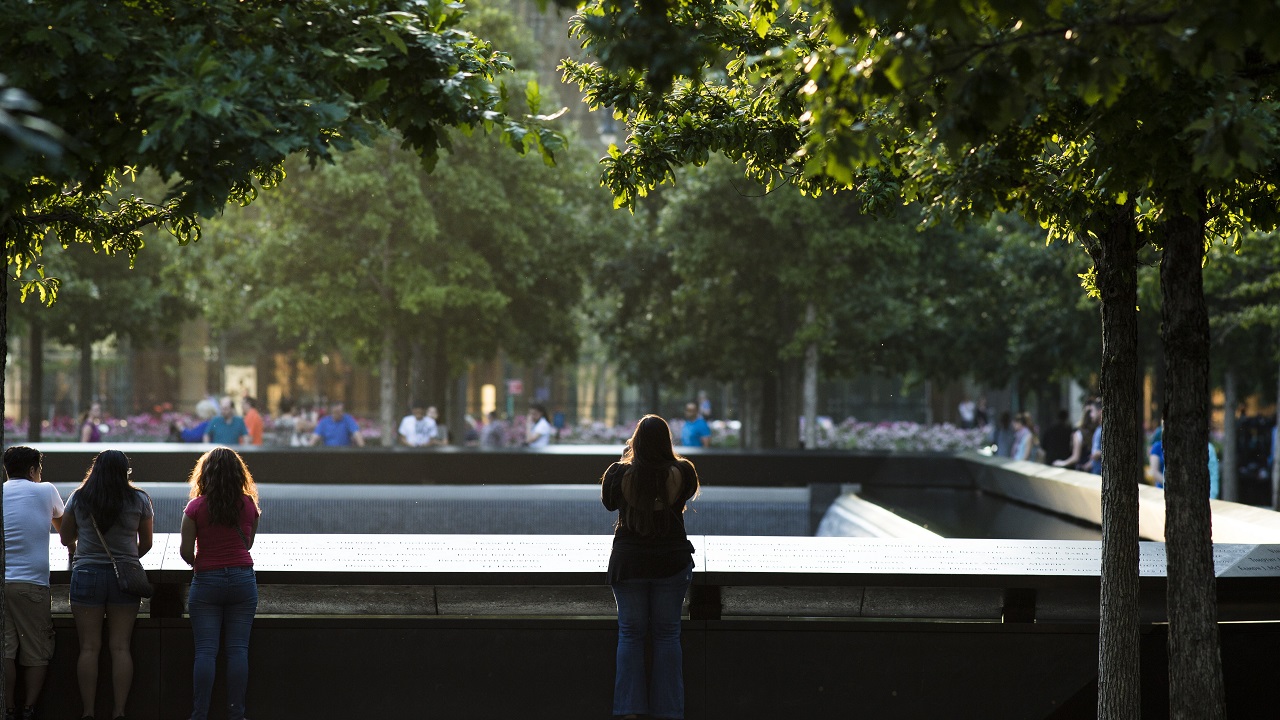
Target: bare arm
[
  {"x": 68, "y": 531},
  {"x": 188, "y": 547},
  {"x": 145, "y": 529},
  {"x": 674, "y": 484},
  {"x": 85, "y": 433},
  {"x": 1077, "y": 441}
]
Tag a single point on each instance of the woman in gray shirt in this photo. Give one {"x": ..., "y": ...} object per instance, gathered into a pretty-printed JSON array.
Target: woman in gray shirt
[{"x": 123, "y": 514}]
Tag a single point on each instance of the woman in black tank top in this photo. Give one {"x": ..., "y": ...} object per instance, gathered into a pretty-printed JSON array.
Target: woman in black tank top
[{"x": 650, "y": 568}]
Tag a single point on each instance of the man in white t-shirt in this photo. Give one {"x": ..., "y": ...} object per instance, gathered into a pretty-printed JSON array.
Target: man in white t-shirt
[
  {"x": 419, "y": 428},
  {"x": 539, "y": 434},
  {"x": 30, "y": 507}
]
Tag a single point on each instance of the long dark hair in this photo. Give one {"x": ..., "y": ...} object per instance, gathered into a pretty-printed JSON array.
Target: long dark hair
[
  {"x": 222, "y": 477},
  {"x": 106, "y": 488},
  {"x": 651, "y": 458}
]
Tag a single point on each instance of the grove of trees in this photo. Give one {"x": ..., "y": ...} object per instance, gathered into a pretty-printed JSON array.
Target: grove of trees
[
  {"x": 212, "y": 98},
  {"x": 1117, "y": 124},
  {"x": 891, "y": 173}
]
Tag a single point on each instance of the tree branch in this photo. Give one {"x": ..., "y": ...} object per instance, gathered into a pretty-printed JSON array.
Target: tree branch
[{"x": 84, "y": 222}]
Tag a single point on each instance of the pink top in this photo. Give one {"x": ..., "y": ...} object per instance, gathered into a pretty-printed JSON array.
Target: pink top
[{"x": 220, "y": 546}]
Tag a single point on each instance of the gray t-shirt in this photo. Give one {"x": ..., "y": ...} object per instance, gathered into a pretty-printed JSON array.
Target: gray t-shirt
[{"x": 122, "y": 536}]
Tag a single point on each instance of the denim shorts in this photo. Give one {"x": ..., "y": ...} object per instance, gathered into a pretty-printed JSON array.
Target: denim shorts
[{"x": 96, "y": 586}]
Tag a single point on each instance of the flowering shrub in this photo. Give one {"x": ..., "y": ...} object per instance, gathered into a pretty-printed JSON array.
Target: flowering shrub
[
  {"x": 847, "y": 435},
  {"x": 145, "y": 427},
  {"x": 596, "y": 433},
  {"x": 898, "y": 435}
]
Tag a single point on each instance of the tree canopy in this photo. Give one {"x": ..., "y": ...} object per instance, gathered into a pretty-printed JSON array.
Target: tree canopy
[
  {"x": 1115, "y": 122},
  {"x": 214, "y": 96}
]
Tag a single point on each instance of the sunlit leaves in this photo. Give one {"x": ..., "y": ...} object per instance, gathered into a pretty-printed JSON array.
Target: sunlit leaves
[
  {"x": 916, "y": 88},
  {"x": 215, "y": 95}
]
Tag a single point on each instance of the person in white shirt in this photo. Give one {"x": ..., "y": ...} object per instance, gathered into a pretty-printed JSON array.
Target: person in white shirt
[
  {"x": 539, "y": 434},
  {"x": 30, "y": 507},
  {"x": 419, "y": 428}
]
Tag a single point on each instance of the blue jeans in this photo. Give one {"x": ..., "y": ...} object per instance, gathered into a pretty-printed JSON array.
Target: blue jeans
[
  {"x": 220, "y": 599},
  {"x": 652, "y": 606}
]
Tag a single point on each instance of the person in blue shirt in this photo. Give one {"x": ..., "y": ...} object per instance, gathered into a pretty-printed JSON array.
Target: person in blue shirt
[
  {"x": 227, "y": 428},
  {"x": 1095, "y": 456},
  {"x": 195, "y": 434},
  {"x": 1156, "y": 461},
  {"x": 696, "y": 432},
  {"x": 337, "y": 429},
  {"x": 1275, "y": 440}
]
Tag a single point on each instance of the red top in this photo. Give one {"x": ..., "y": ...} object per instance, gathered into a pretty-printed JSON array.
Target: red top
[{"x": 220, "y": 546}]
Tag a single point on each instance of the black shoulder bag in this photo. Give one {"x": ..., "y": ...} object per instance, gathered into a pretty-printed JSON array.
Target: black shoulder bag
[{"x": 129, "y": 573}]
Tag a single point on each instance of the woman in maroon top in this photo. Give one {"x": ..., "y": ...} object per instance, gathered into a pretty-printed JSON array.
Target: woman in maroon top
[
  {"x": 218, "y": 527},
  {"x": 650, "y": 568}
]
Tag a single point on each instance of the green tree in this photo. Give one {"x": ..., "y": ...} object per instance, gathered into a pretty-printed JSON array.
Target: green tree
[
  {"x": 370, "y": 251},
  {"x": 1241, "y": 285},
  {"x": 996, "y": 303},
  {"x": 214, "y": 96},
  {"x": 100, "y": 297},
  {"x": 731, "y": 284},
  {"x": 1038, "y": 108}
]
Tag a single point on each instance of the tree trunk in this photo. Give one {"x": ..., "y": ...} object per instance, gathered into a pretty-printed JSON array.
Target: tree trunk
[
  {"x": 810, "y": 385},
  {"x": 223, "y": 344},
  {"x": 264, "y": 364},
  {"x": 1195, "y": 666},
  {"x": 438, "y": 392},
  {"x": 750, "y": 405},
  {"x": 387, "y": 386},
  {"x": 1230, "y": 445},
  {"x": 403, "y": 393},
  {"x": 789, "y": 403},
  {"x": 35, "y": 393},
  {"x": 86, "y": 374},
  {"x": 4, "y": 362},
  {"x": 769, "y": 410},
  {"x": 457, "y": 417},
  {"x": 652, "y": 397},
  {"x": 417, "y": 363},
  {"x": 1115, "y": 258},
  {"x": 1048, "y": 403}
]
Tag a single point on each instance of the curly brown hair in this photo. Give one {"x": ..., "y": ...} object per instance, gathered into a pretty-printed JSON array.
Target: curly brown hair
[{"x": 222, "y": 476}]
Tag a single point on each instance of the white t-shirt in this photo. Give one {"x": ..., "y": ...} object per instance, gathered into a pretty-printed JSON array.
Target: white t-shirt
[
  {"x": 28, "y": 510},
  {"x": 419, "y": 432},
  {"x": 541, "y": 433}
]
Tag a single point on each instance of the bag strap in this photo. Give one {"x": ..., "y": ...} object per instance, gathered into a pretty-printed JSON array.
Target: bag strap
[
  {"x": 102, "y": 539},
  {"x": 243, "y": 539}
]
